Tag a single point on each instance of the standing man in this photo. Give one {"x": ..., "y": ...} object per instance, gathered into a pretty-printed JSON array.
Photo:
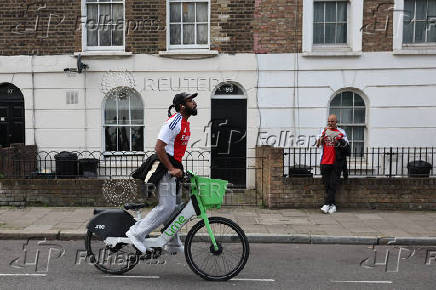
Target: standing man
[
  {"x": 330, "y": 139},
  {"x": 170, "y": 148}
]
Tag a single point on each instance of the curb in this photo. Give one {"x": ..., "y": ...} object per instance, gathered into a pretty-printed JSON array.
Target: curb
[
  {"x": 71, "y": 235},
  {"x": 20, "y": 234}
]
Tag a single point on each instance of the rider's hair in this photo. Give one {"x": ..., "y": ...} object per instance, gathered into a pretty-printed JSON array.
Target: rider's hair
[{"x": 173, "y": 106}]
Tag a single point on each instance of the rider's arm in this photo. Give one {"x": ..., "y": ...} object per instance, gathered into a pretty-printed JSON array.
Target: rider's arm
[{"x": 163, "y": 157}]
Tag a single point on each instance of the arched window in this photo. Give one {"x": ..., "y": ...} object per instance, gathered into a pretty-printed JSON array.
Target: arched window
[
  {"x": 349, "y": 108},
  {"x": 123, "y": 120}
]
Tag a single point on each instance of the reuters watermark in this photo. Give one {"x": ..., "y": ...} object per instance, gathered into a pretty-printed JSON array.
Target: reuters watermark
[{"x": 187, "y": 83}]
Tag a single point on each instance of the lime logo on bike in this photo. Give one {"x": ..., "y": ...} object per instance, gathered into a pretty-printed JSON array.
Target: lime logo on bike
[{"x": 175, "y": 226}]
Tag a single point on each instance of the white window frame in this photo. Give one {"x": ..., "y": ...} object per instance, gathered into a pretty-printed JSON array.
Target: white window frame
[
  {"x": 84, "y": 20},
  {"x": 104, "y": 125},
  {"x": 187, "y": 46},
  {"x": 364, "y": 124},
  {"x": 407, "y": 48},
  {"x": 334, "y": 22},
  {"x": 353, "y": 46}
]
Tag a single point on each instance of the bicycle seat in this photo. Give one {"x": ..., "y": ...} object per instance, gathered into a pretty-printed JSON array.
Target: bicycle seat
[{"x": 134, "y": 206}]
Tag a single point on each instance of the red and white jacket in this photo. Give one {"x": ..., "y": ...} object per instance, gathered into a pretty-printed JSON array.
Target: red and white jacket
[
  {"x": 328, "y": 152},
  {"x": 175, "y": 132}
]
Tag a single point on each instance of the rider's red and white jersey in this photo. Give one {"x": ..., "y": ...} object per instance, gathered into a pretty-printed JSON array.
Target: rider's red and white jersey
[{"x": 175, "y": 133}]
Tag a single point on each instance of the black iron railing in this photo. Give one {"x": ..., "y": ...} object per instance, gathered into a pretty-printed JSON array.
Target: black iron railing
[
  {"x": 373, "y": 161},
  {"x": 91, "y": 164},
  {"x": 87, "y": 164}
]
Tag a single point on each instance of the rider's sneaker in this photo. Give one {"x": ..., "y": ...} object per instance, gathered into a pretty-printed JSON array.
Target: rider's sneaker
[
  {"x": 173, "y": 250},
  {"x": 325, "y": 208},
  {"x": 332, "y": 208},
  {"x": 137, "y": 242}
]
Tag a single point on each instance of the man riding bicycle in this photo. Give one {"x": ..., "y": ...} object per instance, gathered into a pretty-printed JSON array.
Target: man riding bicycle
[{"x": 165, "y": 172}]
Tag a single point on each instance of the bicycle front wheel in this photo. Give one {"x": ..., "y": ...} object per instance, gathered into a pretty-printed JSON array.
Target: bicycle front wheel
[{"x": 224, "y": 263}]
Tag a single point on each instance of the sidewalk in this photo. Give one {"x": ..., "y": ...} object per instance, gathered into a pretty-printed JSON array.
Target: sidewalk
[{"x": 347, "y": 226}]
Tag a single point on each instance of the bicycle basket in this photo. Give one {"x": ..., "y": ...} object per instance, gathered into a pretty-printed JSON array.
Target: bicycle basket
[{"x": 211, "y": 191}]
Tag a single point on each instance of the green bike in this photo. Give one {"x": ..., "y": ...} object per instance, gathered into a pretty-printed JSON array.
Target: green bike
[{"x": 216, "y": 248}]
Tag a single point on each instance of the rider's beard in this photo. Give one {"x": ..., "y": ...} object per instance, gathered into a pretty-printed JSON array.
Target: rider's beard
[{"x": 191, "y": 112}]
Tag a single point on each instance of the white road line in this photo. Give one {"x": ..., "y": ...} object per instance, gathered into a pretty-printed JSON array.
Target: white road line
[
  {"x": 247, "y": 279},
  {"x": 126, "y": 276},
  {"x": 16, "y": 275},
  {"x": 375, "y": 282}
]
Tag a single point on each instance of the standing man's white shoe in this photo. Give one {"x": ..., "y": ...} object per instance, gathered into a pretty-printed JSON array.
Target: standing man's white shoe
[
  {"x": 325, "y": 208},
  {"x": 332, "y": 208}
]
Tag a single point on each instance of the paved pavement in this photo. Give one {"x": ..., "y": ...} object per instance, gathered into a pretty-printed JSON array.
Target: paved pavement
[{"x": 347, "y": 226}]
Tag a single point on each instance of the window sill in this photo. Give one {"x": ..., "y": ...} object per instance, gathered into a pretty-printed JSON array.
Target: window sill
[
  {"x": 332, "y": 52},
  {"x": 416, "y": 50},
  {"x": 189, "y": 53},
  {"x": 100, "y": 53}
]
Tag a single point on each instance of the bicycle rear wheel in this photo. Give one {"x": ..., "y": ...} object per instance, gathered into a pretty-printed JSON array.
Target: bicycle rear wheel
[
  {"x": 228, "y": 260},
  {"x": 110, "y": 260}
]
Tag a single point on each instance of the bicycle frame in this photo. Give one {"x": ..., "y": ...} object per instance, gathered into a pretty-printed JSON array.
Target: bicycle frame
[{"x": 178, "y": 222}]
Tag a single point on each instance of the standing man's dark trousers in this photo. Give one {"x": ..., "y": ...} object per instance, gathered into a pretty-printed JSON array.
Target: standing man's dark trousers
[{"x": 329, "y": 180}]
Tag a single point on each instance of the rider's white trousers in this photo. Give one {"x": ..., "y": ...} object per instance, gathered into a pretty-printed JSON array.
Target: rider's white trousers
[{"x": 169, "y": 198}]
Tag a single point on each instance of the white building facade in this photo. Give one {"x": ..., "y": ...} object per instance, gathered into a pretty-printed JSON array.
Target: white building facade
[{"x": 382, "y": 98}]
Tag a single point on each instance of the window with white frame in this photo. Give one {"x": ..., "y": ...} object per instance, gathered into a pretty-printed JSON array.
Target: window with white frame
[
  {"x": 123, "y": 120},
  {"x": 419, "y": 21},
  {"x": 188, "y": 23},
  {"x": 349, "y": 109},
  {"x": 104, "y": 25},
  {"x": 332, "y": 27},
  {"x": 330, "y": 22}
]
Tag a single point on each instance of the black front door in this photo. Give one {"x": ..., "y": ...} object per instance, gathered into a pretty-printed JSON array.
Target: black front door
[
  {"x": 228, "y": 140},
  {"x": 11, "y": 115}
]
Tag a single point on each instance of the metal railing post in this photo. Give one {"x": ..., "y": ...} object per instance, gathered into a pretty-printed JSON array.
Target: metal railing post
[{"x": 390, "y": 162}]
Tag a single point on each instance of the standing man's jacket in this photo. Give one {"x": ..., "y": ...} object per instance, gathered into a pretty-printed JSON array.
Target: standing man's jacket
[
  {"x": 338, "y": 149},
  {"x": 342, "y": 151}
]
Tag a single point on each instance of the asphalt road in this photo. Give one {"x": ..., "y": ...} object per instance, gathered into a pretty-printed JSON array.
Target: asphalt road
[{"x": 271, "y": 266}]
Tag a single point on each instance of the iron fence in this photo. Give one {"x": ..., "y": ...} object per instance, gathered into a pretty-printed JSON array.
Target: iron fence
[
  {"x": 73, "y": 164},
  {"x": 372, "y": 162},
  {"x": 120, "y": 165}
]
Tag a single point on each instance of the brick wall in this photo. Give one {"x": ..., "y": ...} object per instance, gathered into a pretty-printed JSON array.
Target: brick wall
[
  {"x": 278, "y": 26},
  {"x": 145, "y": 26},
  {"x": 54, "y": 27},
  {"x": 66, "y": 192},
  {"x": 39, "y": 27},
  {"x": 237, "y": 26},
  {"x": 377, "y": 25},
  {"x": 231, "y": 27},
  {"x": 381, "y": 193},
  {"x": 18, "y": 160}
]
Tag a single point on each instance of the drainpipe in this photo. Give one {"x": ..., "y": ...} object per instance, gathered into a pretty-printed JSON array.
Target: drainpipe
[
  {"x": 33, "y": 101},
  {"x": 86, "y": 113}
]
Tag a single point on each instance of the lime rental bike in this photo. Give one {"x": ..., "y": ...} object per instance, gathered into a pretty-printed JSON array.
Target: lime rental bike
[{"x": 216, "y": 248}]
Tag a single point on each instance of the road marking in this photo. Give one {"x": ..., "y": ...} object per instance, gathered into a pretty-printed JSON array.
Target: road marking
[
  {"x": 126, "y": 276},
  {"x": 247, "y": 279},
  {"x": 32, "y": 275},
  {"x": 375, "y": 282}
]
